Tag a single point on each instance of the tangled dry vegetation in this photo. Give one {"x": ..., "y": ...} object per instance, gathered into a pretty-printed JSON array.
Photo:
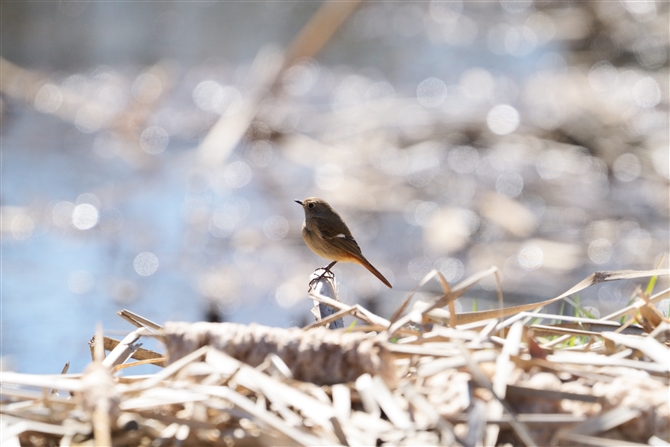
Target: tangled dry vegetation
[{"x": 427, "y": 376}]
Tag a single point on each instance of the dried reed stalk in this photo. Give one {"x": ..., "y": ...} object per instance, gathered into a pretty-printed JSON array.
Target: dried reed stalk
[{"x": 318, "y": 356}]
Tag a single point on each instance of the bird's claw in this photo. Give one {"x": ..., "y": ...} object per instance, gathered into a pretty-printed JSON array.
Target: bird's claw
[{"x": 327, "y": 273}]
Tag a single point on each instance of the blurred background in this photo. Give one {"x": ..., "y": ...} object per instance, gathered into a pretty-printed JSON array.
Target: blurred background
[{"x": 151, "y": 153}]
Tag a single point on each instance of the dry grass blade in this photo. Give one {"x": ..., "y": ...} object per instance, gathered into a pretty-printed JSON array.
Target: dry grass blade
[
  {"x": 647, "y": 315},
  {"x": 647, "y": 345},
  {"x": 474, "y": 279},
  {"x": 16, "y": 425},
  {"x": 504, "y": 368},
  {"x": 521, "y": 431},
  {"x": 532, "y": 419},
  {"x": 98, "y": 396},
  {"x": 337, "y": 316},
  {"x": 449, "y": 296},
  {"x": 125, "y": 349},
  {"x": 433, "y": 418},
  {"x": 656, "y": 441},
  {"x": 341, "y": 401},
  {"x": 154, "y": 397},
  {"x": 297, "y": 436},
  {"x": 476, "y": 422},
  {"x": 138, "y": 320},
  {"x": 365, "y": 391},
  {"x": 65, "y": 369},
  {"x": 160, "y": 361},
  {"x": 451, "y": 363},
  {"x": 543, "y": 330},
  {"x": 373, "y": 319},
  {"x": 264, "y": 74},
  {"x": 40, "y": 381},
  {"x": 141, "y": 354},
  {"x": 405, "y": 302},
  {"x": 573, "y": 439},
  {"x": 427, "y": 349},
  {"x": 519, "y": 391},
  {"x": 320, "y": 28},
  {"x": 222, "y": 138},
  {"x": 275, "y": 391},
  {"x": 595, "y": 278},
  {"x": 662, "y": 332},
  {"x": 654, "y": 299},
  {"x": 387, "y": 402},
  {"x": 602, "y": 423},
  {"x": 357, "y": 310},
  {"x": 33, "y": 395},
  {"x": 169, "y": 370},
  {"x": 584, "y": 358},
  {"x": 337, "y": 428},
  {"x": 587, "y": 324}
]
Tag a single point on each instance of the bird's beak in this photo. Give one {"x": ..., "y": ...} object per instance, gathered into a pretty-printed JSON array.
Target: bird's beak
[{"x": 298, "y": 201}]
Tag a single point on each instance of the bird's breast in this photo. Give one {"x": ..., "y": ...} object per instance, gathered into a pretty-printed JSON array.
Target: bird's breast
[{"x": 321, "y": 246}]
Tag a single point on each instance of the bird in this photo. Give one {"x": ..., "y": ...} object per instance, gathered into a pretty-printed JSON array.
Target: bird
[{"x": 326, "y": 234}]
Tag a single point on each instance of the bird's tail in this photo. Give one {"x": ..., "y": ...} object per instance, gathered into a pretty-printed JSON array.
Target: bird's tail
[{"x": 364, "y": 262}]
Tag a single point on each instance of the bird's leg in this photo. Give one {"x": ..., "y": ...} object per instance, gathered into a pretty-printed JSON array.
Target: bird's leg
[{"x": 326, "y": 271}]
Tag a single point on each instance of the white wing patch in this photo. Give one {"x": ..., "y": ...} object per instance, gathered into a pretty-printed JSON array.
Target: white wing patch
[{"x": 343, "y": 236}]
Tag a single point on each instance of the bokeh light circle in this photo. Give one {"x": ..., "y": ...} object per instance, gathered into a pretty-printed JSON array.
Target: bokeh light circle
[
  {"x": 275, "y": 227},
  {"x": 237, "y": 174},
  {"x": 154, "y": 140},
  {"x": 85, "y": 216},
  {"x": 146, "y": 263},
  {"x": 600, "y": 251},
  {"x": 431, "y": 92},
  {"x": 503, "y": 119},
  {"x": 80, "y": 281}
]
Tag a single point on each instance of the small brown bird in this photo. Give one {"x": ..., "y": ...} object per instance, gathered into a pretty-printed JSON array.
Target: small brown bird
[{"x": 326, "y": 234}]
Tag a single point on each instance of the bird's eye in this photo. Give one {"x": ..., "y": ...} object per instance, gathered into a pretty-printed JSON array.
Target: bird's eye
[{"x": 311, "y": 205}]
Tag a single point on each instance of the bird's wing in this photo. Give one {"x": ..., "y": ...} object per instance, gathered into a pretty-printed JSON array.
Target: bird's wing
[{"x": 341, "y": 237}]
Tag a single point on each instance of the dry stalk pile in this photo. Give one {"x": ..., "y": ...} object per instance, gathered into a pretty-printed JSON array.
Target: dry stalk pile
[
  {"x": 417, "y": 379},
  {"x": 319, "y": 356}
]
